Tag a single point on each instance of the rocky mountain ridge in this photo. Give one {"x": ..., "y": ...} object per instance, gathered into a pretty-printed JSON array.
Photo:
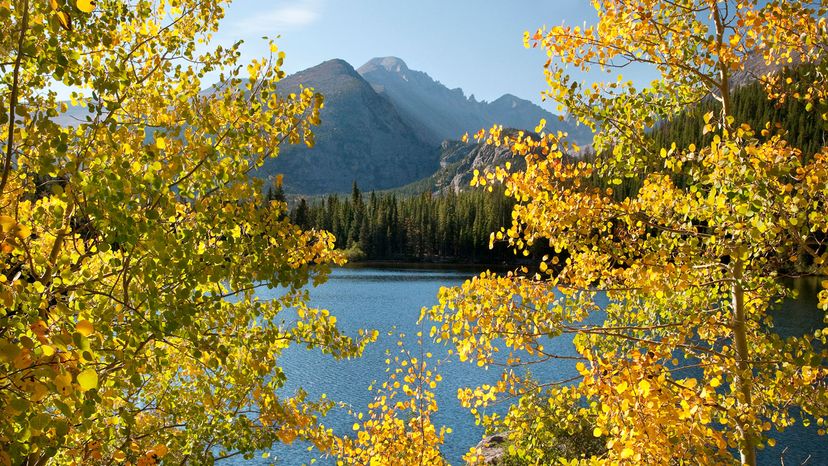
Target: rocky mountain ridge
[
  {"x": 385, "y": 125},
  {"x": 439, "y": 113},
  {"x": 458, "y": 161}
]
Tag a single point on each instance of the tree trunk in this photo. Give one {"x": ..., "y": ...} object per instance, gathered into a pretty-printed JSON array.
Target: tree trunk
[{"x": 743, "y": 379}]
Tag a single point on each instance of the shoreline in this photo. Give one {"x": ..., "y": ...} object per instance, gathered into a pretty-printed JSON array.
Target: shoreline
[{"x": 391, "y": 264}]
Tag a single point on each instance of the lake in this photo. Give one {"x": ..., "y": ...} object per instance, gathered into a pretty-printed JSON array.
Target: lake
[{"x": 387, "y": 299}]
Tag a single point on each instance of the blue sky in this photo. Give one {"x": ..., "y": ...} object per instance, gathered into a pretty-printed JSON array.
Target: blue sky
[
  {"x": 476, "y": 45},
  {"x": 473, "y": 44}
]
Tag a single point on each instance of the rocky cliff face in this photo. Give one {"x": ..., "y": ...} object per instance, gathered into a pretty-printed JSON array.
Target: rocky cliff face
[
  {"x": 362, "y": 137},
  {"x": 458, "y": 161}
]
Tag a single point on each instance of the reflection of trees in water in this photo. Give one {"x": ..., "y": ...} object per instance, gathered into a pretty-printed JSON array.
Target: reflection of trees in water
[{"x": 799, "y": 315}]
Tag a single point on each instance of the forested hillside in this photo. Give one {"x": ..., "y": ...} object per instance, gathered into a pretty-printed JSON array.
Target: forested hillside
[
  {"x": 751, "y": 105},
  {"x": 767, "y": 117}
]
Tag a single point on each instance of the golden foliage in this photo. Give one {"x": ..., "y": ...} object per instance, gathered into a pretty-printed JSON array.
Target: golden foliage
[
  {"x": 133, "y": 240},
  {"x": 675, "y": 276}
]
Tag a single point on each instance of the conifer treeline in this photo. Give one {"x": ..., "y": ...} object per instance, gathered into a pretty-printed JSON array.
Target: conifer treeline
[
  {"x": 803, "y": 129},
  {"x": 751, "y": 105},
  {"x": 386, "y": 226}
]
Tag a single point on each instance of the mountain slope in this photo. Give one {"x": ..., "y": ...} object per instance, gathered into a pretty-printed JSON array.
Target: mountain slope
[
  {"x": 439, "y": 113},
  {"x": 361, "y": 137},
  {"x": 458, "y": 160}
]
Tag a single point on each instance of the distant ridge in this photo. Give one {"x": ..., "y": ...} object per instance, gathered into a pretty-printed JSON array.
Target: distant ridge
[{"x": 439, "y": 113}]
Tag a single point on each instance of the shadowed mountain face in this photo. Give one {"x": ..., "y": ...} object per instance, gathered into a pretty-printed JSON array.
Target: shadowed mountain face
[
  {"x": 362, "y": 137},
  {"x": 383, "y": 125},
  {"x": 439, "y": 113}
]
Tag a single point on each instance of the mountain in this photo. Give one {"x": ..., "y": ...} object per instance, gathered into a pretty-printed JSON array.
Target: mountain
[
  {"x": 458, "y": 161},
  {"x": 438, "y": 113},
  {"x": 75, "y": 115},
  {"x": 361, "y": 137},
  {"x": 384, "y": 126}
]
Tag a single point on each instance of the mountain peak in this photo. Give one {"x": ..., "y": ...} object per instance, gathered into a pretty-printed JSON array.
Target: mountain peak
[
  {"x": 326, "y": 75},
  {"x": 361, "y": 137},
  {"x": 334, "y": 66},
  {"x": 509, "y": 97},
  {"x": 390, "y": 64}
]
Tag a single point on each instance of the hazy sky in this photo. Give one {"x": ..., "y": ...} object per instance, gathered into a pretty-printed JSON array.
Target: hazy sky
[{"x": 473, "y": 44}]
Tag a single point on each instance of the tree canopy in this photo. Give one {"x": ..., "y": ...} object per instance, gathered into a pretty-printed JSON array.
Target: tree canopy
[
  {"x": 133, "y": 240},
  {"x": 666, "y": 289},
  {"x": 390, "y": 226}
]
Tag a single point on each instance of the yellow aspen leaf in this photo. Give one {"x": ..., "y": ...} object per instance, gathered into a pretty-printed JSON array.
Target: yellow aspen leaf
[
  {"x": 63, "y": 383},
  {"x": 84, "y": 327},
  {"x": 88, "y": 379},
  {"x": 286, "y": 436},
  {"x": 8, "y": 351},
  {"x": 7, "y": 223},
  {"x": 39, "y": 391},
  {"x": 23, "y": 231},
  {"x": 64, "y": 20},
  {"x": 541, "y": 125},
  {"x": 160, "y": 450},
  {"x": 644, "y": 388},
  {"x": 86, "y": 6}
]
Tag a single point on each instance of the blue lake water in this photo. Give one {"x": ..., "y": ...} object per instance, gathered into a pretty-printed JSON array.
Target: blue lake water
[{"x": 388, "y": 299}]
